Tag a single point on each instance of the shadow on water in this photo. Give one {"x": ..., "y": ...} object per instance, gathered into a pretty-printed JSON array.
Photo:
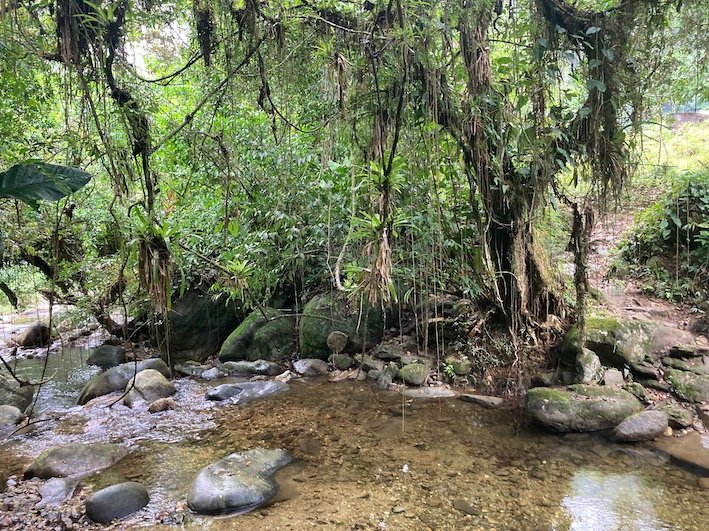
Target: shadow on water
[{"x": 367, "y": 459}]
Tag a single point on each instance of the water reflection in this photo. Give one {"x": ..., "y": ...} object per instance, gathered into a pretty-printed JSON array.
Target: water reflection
[{"x": 610, "y": 502}]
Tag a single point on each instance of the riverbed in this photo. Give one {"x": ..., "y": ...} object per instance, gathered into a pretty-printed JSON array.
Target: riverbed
[{"x": 370, "y": 459}]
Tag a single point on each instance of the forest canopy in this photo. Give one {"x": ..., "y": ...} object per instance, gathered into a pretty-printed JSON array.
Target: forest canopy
[{"x": 391, "y": 150}]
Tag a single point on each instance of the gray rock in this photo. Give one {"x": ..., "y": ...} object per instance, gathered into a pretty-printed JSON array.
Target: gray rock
[
  {"x": 75, "y": 460},
  {"x": 368, "y": 363},
  {"x": 116, "y": 378},
  {"x": 613, "y": 378},
  {"x": 190, "y": 368},
  {"x": 239, "y": 482},
  {"x": 147, "y": 386},
  {"x": 55, "y": 492},
  {"x": 161, "y": 404},
  {"x": 35, "y": 335},
  {"x": 688, "y": 351},
  {"x": 678, "y": 416},
  {"x": 388, "y": 351},
  {"x": 310, "y": 367},
  {"x": 580, "y": 407},
  {"x": 211, "y": 374},
  {"x": 643, "y": 426},
  {"x": 483, "y": 400},
  {"x": 544, "y": 379},
  {"x": 430, "y": 392},
  {"x": 384, "y": 380},
  {"x": 106, "y": 356},
  {"x": 247, "y": 368},
  {"x": 9, "y": 415},
  {"x": 245, "y": 392},
  {"x": 12, "y": 394},
  {"x": 116, "y": 502},
  {"x": 414, "y": 373},
  {"x": 260, "y": 337},
  {"x": 588, "y": 367}
]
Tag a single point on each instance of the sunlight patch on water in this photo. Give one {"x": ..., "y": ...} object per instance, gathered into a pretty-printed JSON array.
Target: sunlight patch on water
[{"x": 606, "y": 502}]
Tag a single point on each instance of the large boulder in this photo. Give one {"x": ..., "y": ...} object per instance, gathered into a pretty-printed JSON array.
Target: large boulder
[
  {"x": 239, "y": 482},
  {"x": 245, "y": 392},
  {"x": 116, "y": 378},
  {"x": 247, "y": 368},
  {"x": 9, "y": 416},
  {"x": 580, "y": 407},
  {"x": 331, "y": 312},
  {"x": 266, "y": 335},
  {"x": 75, "y": 460},
  {"x": 689, "y": 386},
  {"x": 643, "y": 426},
  {"x": 12, "y": 393},
  {"x": 199, "y": 324},
  {"x": 615, "y": 341},
  {"x": 116, "y": 502},
  {"x": 148, "y": 386},
  {"x": 414, "y": 373},
  {"x": 106, "y": 356},
  {"x": 35, "y": 335}
]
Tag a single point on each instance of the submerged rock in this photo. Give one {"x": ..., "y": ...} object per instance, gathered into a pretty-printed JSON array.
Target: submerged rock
[
  {"x": 259, "y": 367},
  {"x": 116, "y": 378},
  {"x": 310, "y": 367},
  {"x": 75, "y": 460},
  {"x": 260, "y": 337},
  {"x": 483, "y": 400},
  {"x": 106, "y": 356},
  {"x": 430, "y": 392},
  {"x": 246, "y": 392},
  {"x": 580, "y": 407},
  {"x": 239, "y": 482},
  {"x": 148, "y": 386},
  {"x": 643, "y": 426},
  {"x": 116, "y": 502}
]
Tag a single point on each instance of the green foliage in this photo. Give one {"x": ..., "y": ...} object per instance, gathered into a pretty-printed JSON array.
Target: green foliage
[
  {"x": 33, "y": 181},
  {"x": 669, "y": 247}
]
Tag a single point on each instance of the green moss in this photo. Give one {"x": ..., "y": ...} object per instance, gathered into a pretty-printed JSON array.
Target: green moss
[
  {"x": 682, "y": 385},
  {"x": 260, "y": 338},
  {"x": 548, "y": 393}
]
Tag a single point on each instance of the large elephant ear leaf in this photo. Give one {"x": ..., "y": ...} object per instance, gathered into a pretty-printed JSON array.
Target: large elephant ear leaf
[{"x": 34, "y": 181}]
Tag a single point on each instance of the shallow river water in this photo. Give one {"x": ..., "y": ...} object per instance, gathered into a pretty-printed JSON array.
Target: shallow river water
[{"x": 368, "y": 459}]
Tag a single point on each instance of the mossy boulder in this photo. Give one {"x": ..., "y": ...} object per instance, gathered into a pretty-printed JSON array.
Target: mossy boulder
[
  {"x": 199, "y": 324},
  {"x": 414, "y": 373},
  {"x": 329, "y": 312},
  {"x": 264, "y": 335},
  {"x": 689, "y": 386},
  {"x": 617, "y": 342},
  {"x": 580, "y": 407},
  {"x": 460, "y": 366}
]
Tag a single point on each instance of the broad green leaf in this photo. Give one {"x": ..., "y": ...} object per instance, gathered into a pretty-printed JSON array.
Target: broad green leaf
[
  {"x": 597, "y": 84},
  {"x": 35, "y": 181}
]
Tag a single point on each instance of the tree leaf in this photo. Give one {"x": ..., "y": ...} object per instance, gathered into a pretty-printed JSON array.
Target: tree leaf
[
  {"x": 35, "y": 181},
  {"x": 597, "y": 84}
]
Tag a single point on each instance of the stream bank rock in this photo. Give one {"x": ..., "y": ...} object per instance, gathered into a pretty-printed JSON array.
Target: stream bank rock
[
  {"x": 116, "y": 378},
  {"x": 580, "y": 407},
  {"x": 75, "y": 460},
  {"x": 199, "y": 324},
  {"x": 106, "y": 356},
  {"x": 35, "y": 335},
  {"x": 148, "y": 385},
  {"x": 245, "y": 392},
  {"x": 689, "y": 386},
  {"x": 116, "y": 502},
  {"x": 264, "y": 335},
  {"x": 258, "y": 367},
  {"x": 310, "y": 367},
  {"x": 9, "y": 416},
  {"x": 330, "y": 312},
  {"x": 12, "y": 394},
  {"x": 414, "y": 373},
  {"x": 588, "y": 367},
  {"x": 239, "y": 482},
  {"x": 643, "y": 426}
]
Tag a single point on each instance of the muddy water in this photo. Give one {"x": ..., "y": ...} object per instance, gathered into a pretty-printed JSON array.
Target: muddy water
[{"x": 369, "y": 460}]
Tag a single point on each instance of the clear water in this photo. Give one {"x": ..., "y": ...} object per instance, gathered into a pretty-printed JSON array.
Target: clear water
[{"x": 370, "y": 460}]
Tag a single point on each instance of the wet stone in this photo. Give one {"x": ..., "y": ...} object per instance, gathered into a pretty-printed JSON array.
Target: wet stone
[
  {"x": 310, "y": 367},
  {"x": 75, "y": 460},
  {"x": 246, "y": 368},
  {"x": 116, "y": 502},
  {"x": 245, "y": 392},
  {"x": 643, "y": 426}
]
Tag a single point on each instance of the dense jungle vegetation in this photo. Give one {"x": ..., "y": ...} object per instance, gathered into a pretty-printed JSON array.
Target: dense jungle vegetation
[{"x": 389, "y": 149}]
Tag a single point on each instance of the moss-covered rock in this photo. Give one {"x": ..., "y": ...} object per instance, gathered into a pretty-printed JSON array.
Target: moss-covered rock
[
  {"x": 688, "y": 385},
  {"x": 329, "y": 312},
  {"x": 260, "y": 338},
  {"x": 580, "y": 407},
  {"x": 588, "y": 367},
  {"x": 459, "y": 366},
  {"x": 199, "y": 323},
  {"x": 414, "y": 373},
  {"x": 615, "y": 341}
]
